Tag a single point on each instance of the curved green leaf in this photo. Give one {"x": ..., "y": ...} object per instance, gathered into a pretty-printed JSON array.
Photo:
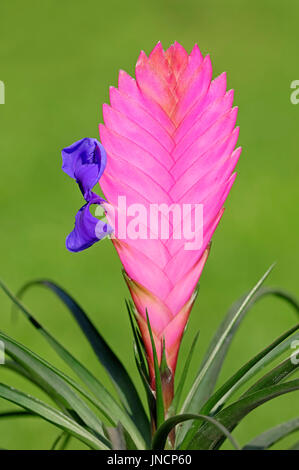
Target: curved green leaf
[
  {"x": 34, "y": 379},
  {"x": 103, "y": 400},
  {"x": 55, "y": 381},
  {"x": 274, "y": 376},
  {"x": 62, "y": 439},
  {"x": 52, "y": 415},
  {"x": 270, "y": 437},
  {"x": 114, "y": 367},
  {"x": 160, "y": 437},
  {"x": 294, "y": 446},
  {"x": 214, "y": 357},
  {"x": 208, "y": 374},
  {"x": 16, "y": 414},
  {"x": 252, "y": 367},
  {"x": 206, "y": 437}
]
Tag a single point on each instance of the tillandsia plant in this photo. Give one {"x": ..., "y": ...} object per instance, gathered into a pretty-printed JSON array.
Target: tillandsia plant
[{"x": 166, "y": 166}]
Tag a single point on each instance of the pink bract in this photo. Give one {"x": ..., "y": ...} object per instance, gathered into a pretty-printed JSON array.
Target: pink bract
[{"x": 170, "y": 137}]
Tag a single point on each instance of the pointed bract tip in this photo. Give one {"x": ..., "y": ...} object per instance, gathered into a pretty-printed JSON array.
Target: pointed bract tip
[
  {"x": 105, "y": 109},
  {"x": 122, "y": 74},
  {"x": 141, "y": 59},
  {"x": 196, "y": 52},
  {"x": 237, "y": 151},
  {"x": 112, "y": 90},
  {"x": 177, "y": 45},
  {"x": 232, "y": 178},
  {"x": 221, "y": 80},
  {"x": 125, "y": 275},
  {"x": 235, "y": 111},
  {"x": 158, "y": 47},
  {"x": 236, "y": 131},
  {"x": 124, "y": 78}
]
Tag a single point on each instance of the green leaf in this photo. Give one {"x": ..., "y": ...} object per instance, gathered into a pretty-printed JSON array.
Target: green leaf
[
  {"x": 52, "y": 415},
  {"x": 251, "y": 368},
  {"x": 18, "y": 369},
  {"x": 160, "y": 437},
  {"x": 206, "y": 437},
  {"x": 274, "y": 376},
  {"x": 208, "y": 374},
  {"x": 270, "y": 437},
  {"x": 62, "y": 439},
  {"x": 103, "y": 400},
  {"x": 54, "y": 379},
  {"x": 140, "y": 359},
  {"x": 116, "y": 437},
  {"x": 16, "y": 414},
  {"x": 294, "y": 446},
  {"x": 179, "y": 390},
  {"x": 212, "y": 362},
  {"x": 159, "y": 392},
  {"x": 65, "y": 442},
  {"x": 149, "y": 392},
  {"x": 114, "y": 367},
  {"x": 138, "y": 341},
  {"x": 281, "y": 294}
]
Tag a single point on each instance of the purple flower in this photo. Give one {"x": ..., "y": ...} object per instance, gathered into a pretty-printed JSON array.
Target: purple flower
[{"x": 85, "y": 161}]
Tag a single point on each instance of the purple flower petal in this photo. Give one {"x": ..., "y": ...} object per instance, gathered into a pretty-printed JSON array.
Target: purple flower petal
[
  {"x": 88, "y": 229},
  {"x": 84, "y": 161}
]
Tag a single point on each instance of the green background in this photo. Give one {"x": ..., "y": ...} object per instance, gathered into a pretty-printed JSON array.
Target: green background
[{"x": 57, "y": 60}]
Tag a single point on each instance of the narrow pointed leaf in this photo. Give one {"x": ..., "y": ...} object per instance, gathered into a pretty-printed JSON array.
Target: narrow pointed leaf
[
  {"x": 160, "y": 437},
  {"x": 102, "y": 399},
  {"x": 159, "y": 393},
  {"x": 212, "y": 362},
  {"x": 140, "y": 360},
  {"x": 116, "y": 437},
  {"x": 16, "y": 414},
  {"x": 294, "y": 446},
  {"x": 208, "y": 438},
  {"x": 209, "y": 371},
  {"x": 55, "y": 381},
  {"x": 138, "y": 341},
  {"x": 65, "y": 441},
  {"x": 216, "y": 354},
  {"x": 251, "y": 368},
  {"x": 274, "y": 376},
  {"x": 60, "y": 438},
  {"x": 178, "y": 393},
  {"x": 52, "y": 415},
  {"x": 114, "y": 367},
  {"x": 42, "y": 385},
  {"x": 151, "y": 400},
  {"x": 270, "y": 437}
]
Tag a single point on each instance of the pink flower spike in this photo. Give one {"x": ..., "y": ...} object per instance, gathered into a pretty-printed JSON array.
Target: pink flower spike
[{"x": 170, "y": 139}]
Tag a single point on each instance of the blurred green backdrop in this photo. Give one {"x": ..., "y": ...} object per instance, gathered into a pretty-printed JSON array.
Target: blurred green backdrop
[{"x": 57, "y": 60}]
